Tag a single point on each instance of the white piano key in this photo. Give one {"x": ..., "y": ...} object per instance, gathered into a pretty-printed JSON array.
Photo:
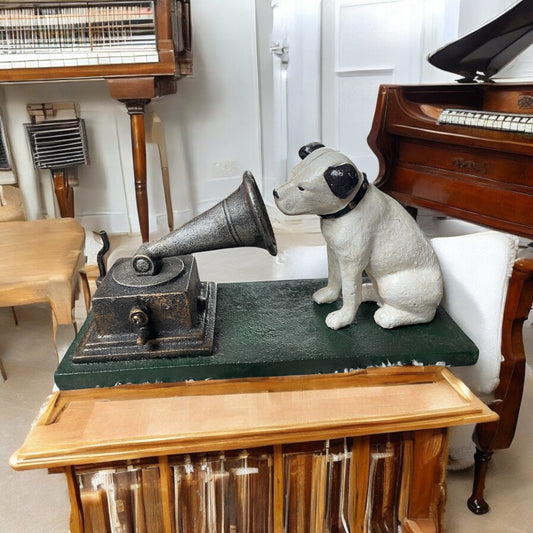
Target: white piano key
[
  {"x": 511, "y": 122},
  {"x": 55, "y": 32}
]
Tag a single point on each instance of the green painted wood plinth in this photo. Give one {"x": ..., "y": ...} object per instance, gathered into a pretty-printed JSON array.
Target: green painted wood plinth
[{"x": 274, "y": 328}]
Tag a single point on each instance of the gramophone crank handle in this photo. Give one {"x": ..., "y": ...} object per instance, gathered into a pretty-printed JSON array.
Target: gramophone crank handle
[
  {"x": 100, "y": 261},
  {"x": 140, "y": 318}
]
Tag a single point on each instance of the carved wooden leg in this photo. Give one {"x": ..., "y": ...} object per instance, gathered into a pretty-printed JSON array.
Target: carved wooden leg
[
  {"x": 138, "y": 145},
  {"x": 476, "y": 503},
  {"x": 64, "y": 193},
  {"x": 508, "y": 395}
]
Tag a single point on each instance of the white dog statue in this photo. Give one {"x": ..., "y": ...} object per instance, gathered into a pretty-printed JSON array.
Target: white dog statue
[{"x": 365, "y": 230}]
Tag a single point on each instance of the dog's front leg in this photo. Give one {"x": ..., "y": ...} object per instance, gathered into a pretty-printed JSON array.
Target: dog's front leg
[
  {"x": 332, "y": 291},
  {"x": 351, "y": 299}
]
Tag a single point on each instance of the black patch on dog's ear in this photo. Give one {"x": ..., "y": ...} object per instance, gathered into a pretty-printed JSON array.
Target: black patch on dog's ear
[
  {"x": 342, "y": 179},
  {"x": 304, "y": 151}
]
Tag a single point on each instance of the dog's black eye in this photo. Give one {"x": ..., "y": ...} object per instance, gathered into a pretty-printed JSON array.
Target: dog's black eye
[{"x": 300, "y": 188}]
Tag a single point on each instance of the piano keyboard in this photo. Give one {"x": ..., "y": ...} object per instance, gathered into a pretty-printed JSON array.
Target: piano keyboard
[
  {"x": 63, "y": 35},
  {"x": 512, "y": 122}
]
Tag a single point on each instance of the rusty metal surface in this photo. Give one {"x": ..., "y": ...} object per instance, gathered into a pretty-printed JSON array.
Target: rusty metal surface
[
  {"x": 166, "y": 319},
  {"x": 154, "y": 305},
  {"x": 239, "y": 220}
]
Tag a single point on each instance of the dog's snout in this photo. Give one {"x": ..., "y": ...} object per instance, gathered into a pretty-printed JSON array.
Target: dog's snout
[{"x": 275, "y": 193}]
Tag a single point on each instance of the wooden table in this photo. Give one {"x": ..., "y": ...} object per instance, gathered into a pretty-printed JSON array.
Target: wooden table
[
  {"x": 149, "y": 456},
  {"x": 41, "y": 262}
]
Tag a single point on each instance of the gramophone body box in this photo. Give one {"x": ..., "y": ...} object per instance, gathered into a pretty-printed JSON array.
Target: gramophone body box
[{"x": 156, "y": 316}]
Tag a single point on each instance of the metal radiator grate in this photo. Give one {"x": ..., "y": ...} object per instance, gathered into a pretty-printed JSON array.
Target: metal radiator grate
[{"x": 58, "y": 144}]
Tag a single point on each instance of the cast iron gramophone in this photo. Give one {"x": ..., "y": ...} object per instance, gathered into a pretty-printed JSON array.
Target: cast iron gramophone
[{"x": 154, "y": 304}]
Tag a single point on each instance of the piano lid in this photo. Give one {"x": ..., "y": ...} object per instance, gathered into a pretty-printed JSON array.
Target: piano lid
[{"x": 481, "y": 54}]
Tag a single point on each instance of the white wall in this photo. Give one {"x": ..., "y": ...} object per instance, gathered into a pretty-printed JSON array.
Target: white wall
[
  {"x": 100, "y": 196},
  {"x": 472, "y": 17},
  {"x": 213, "y": 122},
  {"x": 212, "y": 129},
  {"x": 222, "y": 120}
]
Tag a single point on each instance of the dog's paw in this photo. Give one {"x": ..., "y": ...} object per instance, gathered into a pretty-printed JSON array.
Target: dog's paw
[
  {"x": 385, "y": 318},
  {"x": 389, "y": 317},
  {"x": 326, "y": 295},
  {"x": 339, "y": 319}
]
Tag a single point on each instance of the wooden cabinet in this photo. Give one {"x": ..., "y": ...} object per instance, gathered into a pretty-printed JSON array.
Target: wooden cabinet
[{"x": 361, "y": 451}]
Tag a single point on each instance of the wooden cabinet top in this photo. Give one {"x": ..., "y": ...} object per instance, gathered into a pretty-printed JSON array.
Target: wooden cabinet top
[{"x": 89, "y": 426}]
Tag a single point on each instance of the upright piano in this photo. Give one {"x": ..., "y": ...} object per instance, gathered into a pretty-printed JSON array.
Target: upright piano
[
  {"x": 140, "y": 47},
  {"x": 466, "y": 150}
]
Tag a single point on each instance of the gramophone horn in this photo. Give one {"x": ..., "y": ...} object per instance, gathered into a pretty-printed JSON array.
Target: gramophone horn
[{"x": 241, "y": 219}]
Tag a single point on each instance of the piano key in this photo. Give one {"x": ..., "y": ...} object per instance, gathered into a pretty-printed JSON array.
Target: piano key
[
  {"x": 64, "y": 58},
  {"x": 56, "y": 29},
  {"x": 512, "y": 122}
]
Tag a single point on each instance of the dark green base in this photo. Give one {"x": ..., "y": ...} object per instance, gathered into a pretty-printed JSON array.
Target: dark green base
[{"x": 274, "y": 328}]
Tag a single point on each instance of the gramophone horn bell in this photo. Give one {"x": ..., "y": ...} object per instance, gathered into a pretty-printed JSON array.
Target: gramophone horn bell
[{"x": 241, "y": 219}]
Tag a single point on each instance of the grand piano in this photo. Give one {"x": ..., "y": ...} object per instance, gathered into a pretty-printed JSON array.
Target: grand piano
[
  {"x": 478, "y": 166},
  {"x": 466, "y": 150},
  {"x": 140, "y": 47}
]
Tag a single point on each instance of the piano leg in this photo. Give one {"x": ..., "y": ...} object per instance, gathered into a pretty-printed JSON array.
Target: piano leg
[
  {"x": 476, "y": 503},
  {"x": 64, "y": 193},
  {"x": 138, "y": 145}
]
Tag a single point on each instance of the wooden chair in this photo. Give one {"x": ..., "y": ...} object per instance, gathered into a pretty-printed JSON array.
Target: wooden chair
[
  {"x": 11, "y": 204},
  {"x": 507, "y": 396},
  {"x": 11, "y": 208}
]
